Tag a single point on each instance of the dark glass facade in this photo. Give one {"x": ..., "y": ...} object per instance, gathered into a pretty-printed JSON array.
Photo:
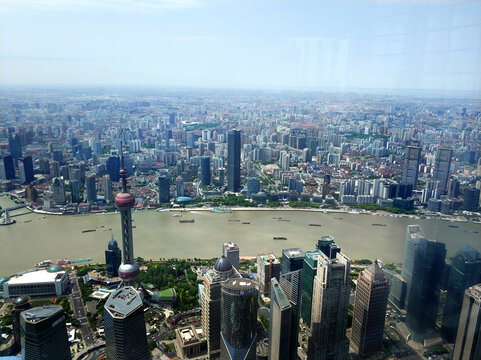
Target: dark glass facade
[
  {"x": 25, "y": 170},
  {"x": 7, "y": 169},
  {"x": 309, "y": 271},
  {"x": 205, "y": 171},
  {"x": 113, "y": 258},
  {"x": 112, "y": 167},
  {"x": 292, "y": 260},
  {"x": 233, "y": 160},
  {"x": 280, "y": 323},
  {"x": 164, "y": 187}
]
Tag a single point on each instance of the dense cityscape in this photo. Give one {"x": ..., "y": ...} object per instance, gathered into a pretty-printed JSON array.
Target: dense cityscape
[{"x": 87, "y": 152}]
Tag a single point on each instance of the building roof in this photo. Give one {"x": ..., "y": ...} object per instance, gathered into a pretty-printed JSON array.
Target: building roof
[
  {"x": 38, "y": 314},
  {"x": 239, "y": 284},
  {"x": 268, "y": 258},
  {"x": 415, "y": 232},
  {"x": 230, "y": 246},
  {"x": 40, "y": 276},
  {"x": 293, "y": 253},
  {"x": 279, "y": 294},
  {"x": 222, "y": 264},
  {"x": 123, "y": 302},
  {"x": 55, "y": 268},
  {"x": 375, "y": 272},
  {"x": 469, "y": 254}
]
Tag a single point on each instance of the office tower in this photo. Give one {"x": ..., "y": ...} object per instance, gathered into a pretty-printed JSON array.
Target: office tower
[
  {"x": 471, "y": 199},
  {"x": 211, "y": 303},
  {"x": 372, "y": 292},
  {"x": 7, "y": 168},
  {"x": 75, "y": 191},
  {"x": 74, "y": 174},
  {"x": 25, "y": 170},
  {"x": 54, "y": 169},
  {"x": 453, "y": 188},
  {"x": 468, "y": 339},
  {"x": 290, "y": 284},
  {"x": 397, "y": 294},
  {"x": 125, "y": 334},
  {"x": 412, "y": 157},
  {"x": 442, "y": 166},
  {"x": 204, "y": 170},
  {"x": 179, "y": 186},
  {"x": 124, "y": 201},
  {"x": 328, "y": 247},
  {"x": 164, "y": 187},
  {"x": 292, "y": 260},
  {"x": 44, "y": 334},
  {"x": 309, "y": 271},
  {"x": 57, "y": 155},
  {"x": 20, "y": 304},
  {"x": 423, "y": 264},
  {"x": 233, "y": 160},
  {"x": 31, "y": 194},
  {"x": 221, "y": 175},
  {"x": 113, "y": 258},
  {"x": 90, "y": 188},
  {"x": 58, "y": 190},
  {"x": 107, "y": 187},
  {"x": 330, "y": 300},
  {"x": 15, "y": 146},
  {"x": 238, "y": 320},
  {"x": 231, "y": 252},
  {"x": 253, "y": 186},
  {"x": 112, "y": 166},
  {"x": 465, "y": 271},
  {"x": 280, "y": 323},
  {"x": 268, "y": 267}
]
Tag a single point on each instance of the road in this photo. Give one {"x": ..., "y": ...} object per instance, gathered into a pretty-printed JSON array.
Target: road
[{"x": 79, "y": 313}]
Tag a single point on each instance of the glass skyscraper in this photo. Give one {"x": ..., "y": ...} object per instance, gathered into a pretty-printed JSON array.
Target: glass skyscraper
[
  {"x": 233, "y": 160},
  {"x": 292, "y": 260},
  {"x": 280, "y": 323},
  {"x": 113, "y": 258},
  {"x": 309, "y": 271},
  {"x": 164, "y": 187},
  {"x": 442, "y": 167},
  {"x": 411, "y": 165},
  {"x": 205, "y": 171}
]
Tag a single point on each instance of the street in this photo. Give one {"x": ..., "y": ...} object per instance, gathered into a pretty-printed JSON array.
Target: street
[{"x": 79, "y": 313}]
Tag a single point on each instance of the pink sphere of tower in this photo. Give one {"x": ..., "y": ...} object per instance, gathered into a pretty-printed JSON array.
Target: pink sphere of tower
[{"x": 123, "y": 200}]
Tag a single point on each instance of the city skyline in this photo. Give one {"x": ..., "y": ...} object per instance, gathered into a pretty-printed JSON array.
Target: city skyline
[{"x": 337, "y": 46}]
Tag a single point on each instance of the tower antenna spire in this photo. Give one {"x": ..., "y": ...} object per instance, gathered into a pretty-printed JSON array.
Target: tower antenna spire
[{"x": 123, "y": 172}]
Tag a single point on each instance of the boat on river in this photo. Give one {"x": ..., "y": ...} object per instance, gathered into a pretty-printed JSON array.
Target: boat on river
[
  {"x": 279, "y": 238},
  {"x": 187, "y": 221},
  {"x": 88, "y": 230}
]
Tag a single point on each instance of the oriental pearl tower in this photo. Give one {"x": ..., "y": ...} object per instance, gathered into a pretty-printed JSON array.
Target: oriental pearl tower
[{"x": 124, "y": 201}]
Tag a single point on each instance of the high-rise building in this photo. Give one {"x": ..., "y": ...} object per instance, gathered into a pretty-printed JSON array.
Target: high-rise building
[
  {"x": 238, "y": 320},
  {"x": 7, "y": 168},
  {"x": 471, "y": 199},
  {"x": 44, "y": 334},
  {"x": 290, "y": 284},
  {"x": 330, "y": 302},
  {"x": 107, "y": 187},
  {"x": 465, "y": 271},
  {"x": 468, "y": 339},
  {"x": 54, "y": 169},
  {"x": 25, "y": 170},
  {"x": 205, "y": 171},
  {"x": 280, "y": 323},
  {"x": 179, "y": 186},
  {"x": 233, "y": 160},
  {"x": 113, "y": 258},
  {"x": 231, "y": 252},
  {"x": 268, "y": 267},
  {"x": 397, "y": 295},
  {"x": 328, "y": 247},
  {"x": 58, "y": 190},
  {"x": 211, "y": 303},
  {"x": 15, "y": 146},
  {"x": 253, "y": 186},
  {"x": 31, "y": 194},
  {"x": 372, "y": 291},
  {"x": 412, "y": 157},
  {"x": 442, "y": 167},
  {"x": 423, "y": 264},
  {"x": 453, "y": 188},
  {"x": 124, "y": 202},
  {"x": 292, "y": 260},
  {"x": 20, "y": 304},
  {"x": 164, "y": 187},
  {"x": 309, "y": 271},
  {"x": 75, "y": 191},
  {"x": 125, "y": 333},
  {"x": 90, "y": 188},
  {"x": 112, "y": 166}
]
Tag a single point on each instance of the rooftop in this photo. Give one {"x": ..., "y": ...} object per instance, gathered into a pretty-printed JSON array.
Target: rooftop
[
  {"x": 415, "y": 232},
  {"x": 268, "y": 258},
  {"x": 293, "y": 253},
  {"x": 39, "y": 276},
  {"x": 230, "y": 246},
  {"x": 123, "y": 302},
  {"x": 37, "y": 314},
  {"x": 239, "y": 284}
]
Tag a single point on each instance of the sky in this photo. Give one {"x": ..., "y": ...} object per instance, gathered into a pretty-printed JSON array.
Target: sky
[{"x": 248, "y": 44}]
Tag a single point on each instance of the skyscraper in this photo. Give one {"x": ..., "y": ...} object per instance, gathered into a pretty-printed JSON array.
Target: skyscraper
[
  {"x": 20, "y": 304},
  {"x": 107, "y": 187},
  {"x": 233, "y": 160},
  {"x": 238, "y": 320},
  {"x": 204, "y": 171},
  {"x": 211, "y": 303},
  {"x": 412, "y": 157},
  {"x": 25, "y": 170},
  {"x": 15, "y": 146},
  {"x": 423, "y": 264},
  {"x": 231, "y": 252},
  {"x": 471, "y": 199},
  {"x": 113, "y": 258},
  {"x": 292, "y": 260},
  {"x": 164, "y": 187},
  {"x": 468, "y": 339},
  {"x": 7, "y": 168},
  {"x": 330, "y": 302},
  {"x": 328, "y": 247},
  {"x": 309, "y": 271},
  {"x": 465, "y": 271},
  {"x": 268, "y": 267},
  {"x": 442, "y": 167},
  {"x": 44, "y": 334},
  {"x": 125, "y": 334},
  {"x": 75, "y": 191},
  {"x": 90, "y": 188},
  {"x": 280, "y": 323},
  {"x": 124, "y": 201},
  {"x": 372, "y": 292},
  {"x": 112, "y": 166},
  {"x": 58, "y": 190}
]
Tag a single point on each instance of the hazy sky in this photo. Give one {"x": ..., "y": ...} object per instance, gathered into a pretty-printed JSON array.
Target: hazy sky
[{"x": 297, "y": 44}]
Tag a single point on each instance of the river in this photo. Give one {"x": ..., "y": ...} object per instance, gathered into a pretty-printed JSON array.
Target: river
[{"x": 37, "y": 237}]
